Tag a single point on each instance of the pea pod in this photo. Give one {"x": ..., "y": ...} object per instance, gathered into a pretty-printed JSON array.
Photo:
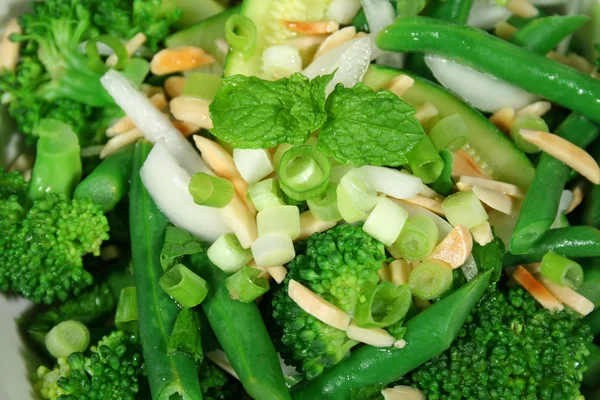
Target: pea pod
[
  {"x": 242, "y": 334},
  {"x": 169, "y": 376},
  {"x": 488, "y": 54},
  {"x": 380, "y": 366},
  {"x": 543, "y": 34}
]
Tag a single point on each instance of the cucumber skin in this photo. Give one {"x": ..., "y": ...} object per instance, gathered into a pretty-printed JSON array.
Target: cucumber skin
[{"x": 506, "y": 162}]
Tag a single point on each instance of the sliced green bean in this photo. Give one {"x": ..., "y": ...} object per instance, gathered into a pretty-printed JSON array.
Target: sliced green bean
[{"x": 543, "y": 34}]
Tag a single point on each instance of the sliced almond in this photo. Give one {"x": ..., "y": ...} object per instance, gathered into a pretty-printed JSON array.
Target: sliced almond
[
  {"x": 565, "y": 151},
  {"x": 580, "y": 63},
  {"x": 400, "y": 84},
  {"x": 432, "y": 205},
  {"x": 174, "y": 86},
  {"x": 482, "y": 233},
  {"x": 9, "y": 50},
  {"x": 335, "y": 39},
  {"x": 455, "y": 248},
  {"x": 132, "y": 45},
  {"x": 537, "y": 290},
  {"x": 120, "y": 141},
  {"x": 278, "y": 273},
  {"x": 539, "y": 108},
  {"x": 375, "y": 337},
  {"x": 400, "y": 344},
  {"x": 309, "y": 224},
  {"x": 568, "y": 296},
  {"x": 220, "y": 359},
  {"x": 522, "y": 8},
  {"x": 464, "y": 164},
  {"x": 240, "y": 220},
  {"x": 186, "y": 128},
  {"x": 399, "y": 271},
  {"x": 191, "y": 109},
  {"x": 311, "y": 27},
  {"x": 402, "y": 393},
  {"x": 318, "y": 307},
  {"x": 426, "y": 112},
  {"x": 578, "y": 193},
  {"x": 503, "y": 187},
  {"x": 168, "y": 61},
  {"x": 125, "y": 124},
  {"x": 494, "y": 199},
  {"x": 503, "y": 119},
  {"x": 504, "y": 30},
  {"x": 463, "y": 187},
  {"x": 383, "y": 273},
  {"x": 306, "y": 43}
]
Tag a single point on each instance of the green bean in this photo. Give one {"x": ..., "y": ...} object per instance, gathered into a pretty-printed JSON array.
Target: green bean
[
  {"x": 591, "y": 209},
  {"x": 543, "y": 34},
  {"x": 541, "y": 203},
  {"x": 242, "y": 334},
  {"x": 571, "y": 242},
  {"x": 381, "y": 366},
  {"x": 488, "y": 54},
  {"x": 108, "y": 183},
  {"x": 169, "y": 375}
]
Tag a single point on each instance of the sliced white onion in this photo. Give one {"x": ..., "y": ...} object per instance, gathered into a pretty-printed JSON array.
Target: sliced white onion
[
  {"x": 485, "y": 14},
  {"x": 343, "y": 11},
  {"x": 154, "y": 124},
  {"x": 566, "y": 198},
  {"x": 273, "y": 250},
  {"x": 253, "y": 164},
  {"x": 392, "y": 182},
  {"x": 482, "y": 91},
  {"x": 281, "y": 61},
  {"x": 549, "y": 2},
  {"x": 351, "y": 60},
  {"x": 381, "y": 13},
  {"x": 167, "y": 182}
]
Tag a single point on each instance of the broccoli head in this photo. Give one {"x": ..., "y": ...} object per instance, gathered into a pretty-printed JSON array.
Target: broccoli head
[{"x": 338, "y": 265}]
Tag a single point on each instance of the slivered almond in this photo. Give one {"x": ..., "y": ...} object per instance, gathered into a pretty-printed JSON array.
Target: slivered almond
[
  {"x": 120, "y": 141},
  {"x": 426, "y": 112},
  {"x": 220, "y": 359},
  {"x": 309, "y": 224},
  {"x": 335, "y": 39},
  {"x": 565, "y": 151},
  {"x": 375, "y": 337},
  {"x": 482, "y": 233},
  {"x": 168, "y": 61},
  {"x": 9, "y": 50},
  {"x": 304, "y": 43},
  {"x": 494, "y": 199},
  {"x": 568, "y": 296},
  {"x": 432, "y": 205},
  {"x": 132, "y": 45},
  {"x": 186, "y": 128},
  {"x": 125, "y": 124},
  {"x": 580, "y": 63},
  {"x": 577, "y": 198},
  {"x": 400, "y": 84},
  {"x": 533, "y": 268},
  {"x": 318, "y": 307},
  {"x": 504, "y": 30},
  {"x": 174, "y": 86},
  {"x": 537, "y": 290},
  {"x": 399, "y": 271},
  {"x": 430, "y": 193},
  {"x": 311, "y": 28},
  {"x": 503, "y": 119},
  {"x": 278, "y": 273},
  {"x": 522, "y": 8},
  {"x": 384, "y": 274},
  {"x": 191, "y": 109},
  {"x": 463, "y": 187},
  {"x": 402, "y": 393},
  {"x": 455, "y": 248},
  {"x": 553, "y": 55},
  {"x": 539, "y": 108},
  {"x": 240, "y": 220},
  {"x": 465, "y": 165},
  {"x": 506, "y": 188}
]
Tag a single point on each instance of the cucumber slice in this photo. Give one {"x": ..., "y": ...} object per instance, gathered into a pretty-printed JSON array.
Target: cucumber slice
[
  {"x": 266, "y": 15},
  {"x": 487, "y": 147}
]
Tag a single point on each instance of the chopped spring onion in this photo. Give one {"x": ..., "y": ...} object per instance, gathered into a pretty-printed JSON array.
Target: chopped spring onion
[
  {"x": 211, "y": 191},
  {"x": 281, "y": 61},
  {"x": 241, "y": 33},
  {"x": 273, "y": 250},
  {"x": 383, "y": 305},
  {"x": 282, "y": 219},
  {"x": 95, "y": 62},
  {"x": 464, "y": 208},
  {"x": 227, "y": 253},
  {"x": 444, "y": 183},
  {"x": 449, "y": 133},
  {"x": 430, "y": 279},
  {"x": 187, "y": 288},
  {"x": 425, "y": 161},
  {"x": 246, "y": 285},
  {"x": 386, "y": 221},
  {"x": 562, "y": 271},
  {"x": 359, "y": 190},
  {"x": 418, "y": 238},
  {"x": 126, "y": 316},
  {"x": 253, "y": 164},
  {"x": 265, "y": 194},
  {"x": 203, "y": 86},
  {"x": 67, "y": 337},
  {"x": 185, "y": 336},
  {"x": 325, "y": 206},
  {"x": 348, "y": 206},
  {"x": 390, "y": 181},
  {"x": 282, "y": 148},
  {"x": 304, "y": 172},
  {"x": 527, "y": 121}
]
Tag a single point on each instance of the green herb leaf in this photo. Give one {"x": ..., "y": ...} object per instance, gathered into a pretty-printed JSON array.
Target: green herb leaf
[
  {"x": 489, "y": 257},
  {"x": 367, "y": 127},
  {"x": 178, "y": 243},
  {"x": 250, "y": 112}
]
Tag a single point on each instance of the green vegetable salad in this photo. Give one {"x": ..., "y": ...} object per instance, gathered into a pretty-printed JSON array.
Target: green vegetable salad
[{"x": 304, "y": 199}]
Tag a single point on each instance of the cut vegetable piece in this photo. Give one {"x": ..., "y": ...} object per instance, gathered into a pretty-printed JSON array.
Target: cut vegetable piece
[
  {"x": 537, "y": 290},
  {"x": 418, "y": 238},
  {"x": 426, "y": 113},
  {"x": 334, "y": 40},
  {"x": 317, "y": 306},
  {"x": 278, "y": 273},
  {"x": 449, "y": 133},
  {"x": 503, "y": 119},
  {"x": 391, "y": 182},
  {"x": 211, "y": 191},
  {"x": 184, "y": 286},
  {"x": 325, "y": 206},
  {"x": 386, "y": 221},
  {"x": 537, "y": 109},
  {"x": 253, "y": 164},
  {"x": 486, "y": 14},
  {"x": 265, "y": 194},
  {"x": 282, "y": 219},
  {"x": 379, "y": 14},
  {"x": 282, "y": 61},
  {"x": 522, "y": 8},
  {"x": 375, "y": 337},
  {"x": 399, "y": 272},
  {"x": 496, "y": 200},
  {"x": 126, "y": 316},
  {"x": 168, "y": 61},
  {"x": 309, "y": 224},
  {"x": 432, "y": 205},
  {"x": 568, "y": 296},
  {"x": 273, "y": 249},
  {"x": 482, "y": 233},
  {"x": 67, "y": 337},
  {"x": 506, "y": 188},
  {"x": 506, "y": 163},
  {"x": 240, "y": 220},
  {"x": 430, "y": 279},
  {"x": 561, "y": 270},
  {"x": 343, "y": 11},
  {"x": 356, "y": 198},
  {"x": 400, "y": 84},
  {"x": 304, "y": 172},
  {"x": 464, "y": 208},
  {"x": 241, "y": 33},
  {"x": 455, "y": 248},
  {"x": 246, "y": 285},
  {"x": 227, "y": 253},
  {"x": 382, "y": 306},
  {"x": 202, "y": 86},
  {"x": 402, "y": 393},
  {"x": 527, "y": 121},
  {"x": 425, "y": 161},
  {"x": 311, "y": 28}
]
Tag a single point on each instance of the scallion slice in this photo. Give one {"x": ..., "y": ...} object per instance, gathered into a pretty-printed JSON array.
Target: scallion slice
[
  {"x": 265, "y": 194},
  {"x": 126, "y": 316},
  {"x": 304, "y": 172},
  {"x": 562, "y": 271},
  {"x": 211, "y": 191},
  {"x": 425, "y": 161},
  {"x": 464, "y": 208},
  {"x": 356, "y": 198},
  {"x": 202, "y": 86},
  {"x": 449, "y": 133},
  {"x": 253, "y": 164},
  {"x": 430, "y": 279},
  {"x": 227, "y": 253},
  {"x": 246, "y": 285},
  {"x": 187, "y": 288},
  {"x": 325, "y": 206},
  {"x": 383, "y": 305},
  {"x": 527, "y": 121},
  {"x": 273, "y": 250},
  {"x": 386, "y": 221},
  {"x": 418, "y": 238},
  {"x": 67, "y": 337},
  {"x": 282, "y": 219},
  {"x": 95, "y": 62},
  {"x": 240, "y": 32}
]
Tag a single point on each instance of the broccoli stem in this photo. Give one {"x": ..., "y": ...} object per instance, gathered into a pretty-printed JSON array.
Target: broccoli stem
[{"x": 57, "y": 168}]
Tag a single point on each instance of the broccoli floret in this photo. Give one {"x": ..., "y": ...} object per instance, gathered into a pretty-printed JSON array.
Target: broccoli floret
[
  {"x": 216, "y": 384},
  {"x": 510, "y": 348},
  {"x": 110, "y": 371},
  {"x": 338, "y": 265}
]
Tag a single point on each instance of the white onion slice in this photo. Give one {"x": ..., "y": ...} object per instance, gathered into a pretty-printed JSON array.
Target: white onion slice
[
  {"x": 482, "y": 91},
  {"x": 485, "y": 14},
  {"x": 154, "y": 124},
  {"x": 566, "y": 198},
  {"x": 167, "y": 182},
  {"x": 381, "y": 13},
  {"x": 548, "y": 2},
  {"x": 343, "y": 11},
  {"x": 392, "y": 182}
]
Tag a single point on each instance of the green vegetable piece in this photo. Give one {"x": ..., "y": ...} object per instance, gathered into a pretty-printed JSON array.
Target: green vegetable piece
[
  {"x": 185, "y": 338},
  {"x": 464, "y": 208},
  {"x": 304, "y": 172},
  {"x": 562, "y": 271},
  {"x": 444, "y": 183},
  {"x": 265, "y": 194},
  {"x": 95, "y": 63},
  {"x": 593, "y": 321},
  {"x": 590, "y": 288},
  {"x": 246, "y": 285},
  {"x": 228, "y": 254},
  {"x": 418, "y": 238},
  {"x": 541, "y": 35},
  {"x": 67, "y": 337},
  {"x": 203, "y": 86},
  {"x": 324, "y": 207},
  {"x": 187, "y": 288},
  {"x": 449, "y": 133},
  {"x": 241, "y": 34},
  {"x": 591, "y": 209},
  {"x": 211, "y": 191},
  {"x": 527, "y": 121},
  {"x": 196, "y": 11},
  {"x": 382, "y": 306},
  {"x": 425, "y": 161},
  {"x": 126, "y": 317},
  {"x": 178, "y": 243},
  {"x": 410, "y": 7},
  {"x": 368, "y": 127},
  {"x": 430, "y": 279}
]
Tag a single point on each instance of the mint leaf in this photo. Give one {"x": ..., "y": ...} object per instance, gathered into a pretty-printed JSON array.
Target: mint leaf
[
  {"x": 367, "y": 127},
  {"x": 250, "y": 112}
]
